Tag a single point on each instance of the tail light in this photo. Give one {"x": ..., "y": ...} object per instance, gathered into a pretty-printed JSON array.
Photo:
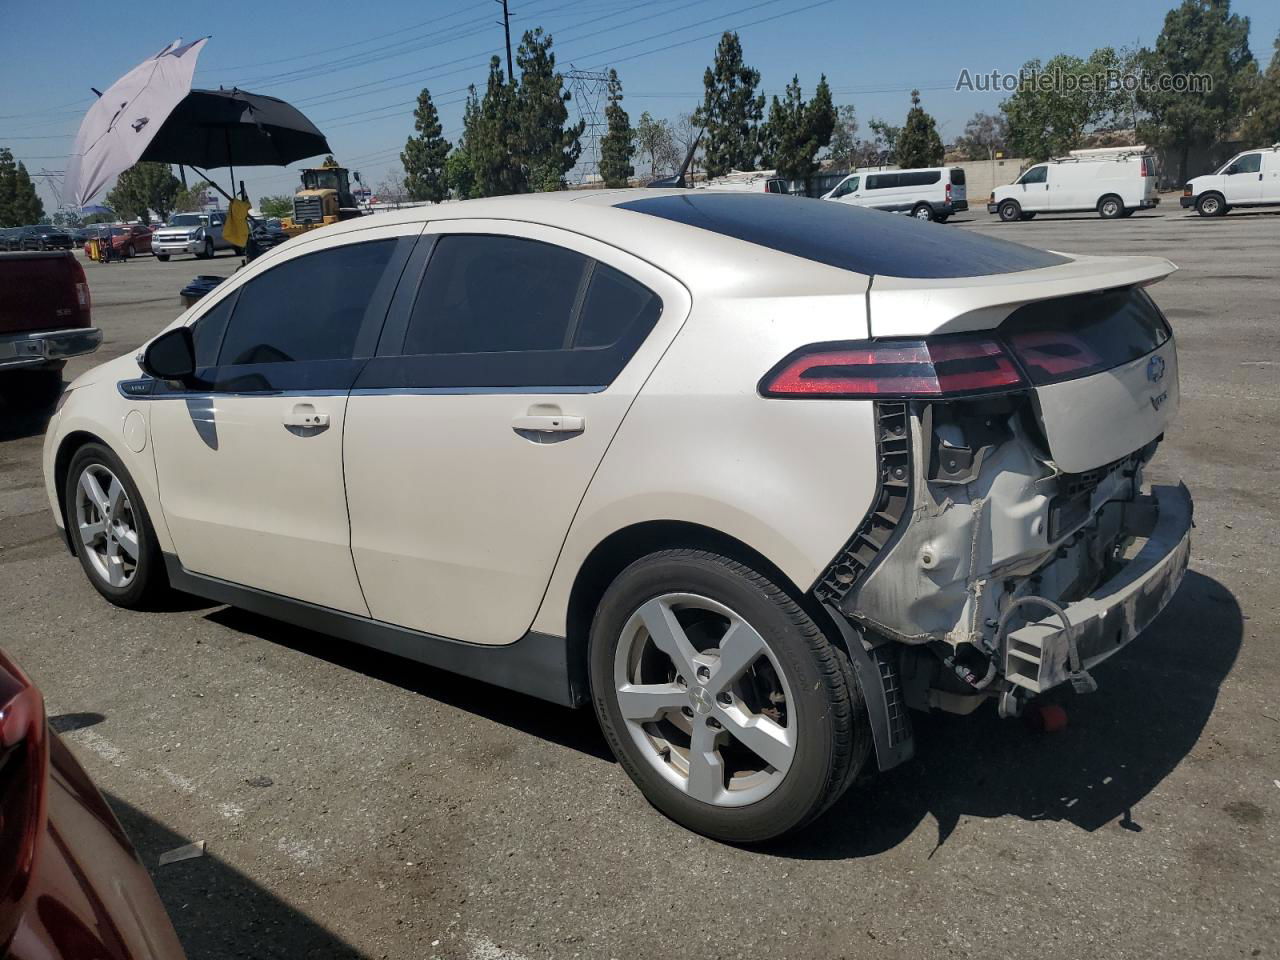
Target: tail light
[
  {"x": 1146, "y": 168},
  {"x": 948, "y": 193},
  {"x": 83, "y": 302},
  {"x": 1186, "y": 191},
  {"x": 24, "y": 759},
  {"x": 885, "y": 369},
  {"x": 992, "y": 197}
]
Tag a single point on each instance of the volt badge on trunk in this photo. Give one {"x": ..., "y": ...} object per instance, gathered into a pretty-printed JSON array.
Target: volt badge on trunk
[{"x": 1155, "y": 369}]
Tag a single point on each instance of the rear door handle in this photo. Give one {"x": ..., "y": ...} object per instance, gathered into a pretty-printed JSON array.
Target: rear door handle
[
  {"x": 305, "y": 415},
  {"x": 554, "y": 423}
]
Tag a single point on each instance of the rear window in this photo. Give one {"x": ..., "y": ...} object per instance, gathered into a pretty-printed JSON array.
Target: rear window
[
  {"x": 957, "y": 176},
  {"x": 1084, "y": 334},
  {"x": 845, "y": 236}
]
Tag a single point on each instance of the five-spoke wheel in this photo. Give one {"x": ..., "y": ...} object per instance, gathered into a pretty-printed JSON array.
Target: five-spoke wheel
[{"x": 722, "y": 698}]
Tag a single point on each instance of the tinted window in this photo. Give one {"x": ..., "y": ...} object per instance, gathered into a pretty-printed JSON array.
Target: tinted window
[
  {"x": 1249, "y": 163},
  {"x": 614, "y": 305},
  {"x": 208, "y": 331},
  {"x": 307, "y": 308},
  {"x": 957, "y": 176},
  {"x": 848, "y": 186},
  {"x": 1035, "y": 175},
  {"x": 507, "y": 312},
  {"x": 485, "y": 294},
  {"x": 919, "y": 178},
  {"x": 882, "y": 181},
  {"x": 845, "y": 236}
]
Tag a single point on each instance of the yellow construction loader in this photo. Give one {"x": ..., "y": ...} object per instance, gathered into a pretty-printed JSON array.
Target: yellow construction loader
[{"x": 324, "y": 197}]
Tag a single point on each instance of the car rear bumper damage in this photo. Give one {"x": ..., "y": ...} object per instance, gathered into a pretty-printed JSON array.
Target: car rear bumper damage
[
  {"x": 1062, "y": 646},
  {"x": 46, "y": 346}
]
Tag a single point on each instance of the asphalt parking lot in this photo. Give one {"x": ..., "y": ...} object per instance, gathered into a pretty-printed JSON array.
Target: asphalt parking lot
[{"x": 355, "y": 805}]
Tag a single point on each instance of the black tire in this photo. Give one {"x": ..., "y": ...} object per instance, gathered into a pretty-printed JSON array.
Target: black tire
[
  {"x": 129, "y": 252},
  {"x": 162, "y": 257},
  {"x": 1211, "y": 205},
  {"x": 1026, "y": 216},
  {"x": 922, "y": 211},
  {"x": 149, "y": 579},
  {"x": 1110, "y": 207},
  {"x": 833, "y": 736},
  {"x": 1009, "y": 211},
  {"x": 207, "y": 252}
]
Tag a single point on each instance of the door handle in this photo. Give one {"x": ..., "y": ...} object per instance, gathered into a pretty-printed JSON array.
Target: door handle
[
  {"x": 305, "y": 415},
  {"x": 553, "y": 423}
]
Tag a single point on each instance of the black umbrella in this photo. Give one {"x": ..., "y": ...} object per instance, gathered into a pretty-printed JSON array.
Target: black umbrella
[{"x": 226, "y": 128}]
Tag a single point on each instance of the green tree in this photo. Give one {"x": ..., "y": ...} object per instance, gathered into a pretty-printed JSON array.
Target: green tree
[
  {"x": 983, "y": 135},
  {"x": 797, "y": 130},
  {"x": 1199, "y": 37},
  {"x": 108, "y": 217},
  {"x": 425, "y": 154},
  {"x": 919, "y": 144},
  {"x": 280, "y": 205},
  {"x": 189, "y": 198},
  {"x": 1263, "y": 124},
  {"x": 730, "y": 111},
  {"x": 844, "y": 149},
  {"x": 1048, "y": 119},
  {"x": 8, "y": 189},
  {"x": 142, "y": 188},
  {"x": 885, "y": 143},
  {"x": 617, "y": 146},
  {"x": 27, "y": 204},
  {"x": 546, "y": 147},
  {"x": 493, "y": 139},
  {"x": 656, "y": 142}
]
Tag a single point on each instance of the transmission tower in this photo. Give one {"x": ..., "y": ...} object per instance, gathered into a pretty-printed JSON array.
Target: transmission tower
[{"x": 589, "y": 89}]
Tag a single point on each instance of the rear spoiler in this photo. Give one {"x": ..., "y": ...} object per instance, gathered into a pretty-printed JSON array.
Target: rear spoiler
[{"x": 914, "y": 307}]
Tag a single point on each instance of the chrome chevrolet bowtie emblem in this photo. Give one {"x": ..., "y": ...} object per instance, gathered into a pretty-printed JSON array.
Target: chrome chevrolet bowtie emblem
[
  {"x": 1155, "y": 369},
  {"x": 702, "y": 700}
]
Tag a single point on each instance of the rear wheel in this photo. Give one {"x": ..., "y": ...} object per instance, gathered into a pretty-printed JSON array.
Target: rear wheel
[
  {"x": 162, "y": 257},
  {"x": 1211, "y": 205},
  {"x": 111, "y": 530},
  {"x": 129, "y": 252},
  {"x": 1010, "y": 211},
  {"x": 922, "y": 211},
  {"x": 721, "y": 698},
  {"x": 1110, "y": 207}
]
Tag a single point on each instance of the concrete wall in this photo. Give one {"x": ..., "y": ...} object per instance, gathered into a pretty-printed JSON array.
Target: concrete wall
[{"x": 983, "y": 176}]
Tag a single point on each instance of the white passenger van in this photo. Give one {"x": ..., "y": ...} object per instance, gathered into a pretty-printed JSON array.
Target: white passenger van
[
  {"x": 1114, "y": 181},
  {"x": 1249, "y": 179},
  {"x": 932, "y": 193}
]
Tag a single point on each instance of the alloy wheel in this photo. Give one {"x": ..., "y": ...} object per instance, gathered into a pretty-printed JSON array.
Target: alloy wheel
[
  {"x": 106, "y": 524},
  {"x": 705, "y": 699}
]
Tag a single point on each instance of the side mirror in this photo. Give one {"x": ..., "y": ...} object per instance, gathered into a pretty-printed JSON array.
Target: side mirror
[{"x": 171, "y": 356}]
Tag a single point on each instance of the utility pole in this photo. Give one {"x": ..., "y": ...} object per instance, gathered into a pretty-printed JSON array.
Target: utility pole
[{"x": 506, "y": 29}]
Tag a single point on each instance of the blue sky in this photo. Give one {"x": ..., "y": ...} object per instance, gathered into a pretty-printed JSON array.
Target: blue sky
[{"x": 356, "y": 70}]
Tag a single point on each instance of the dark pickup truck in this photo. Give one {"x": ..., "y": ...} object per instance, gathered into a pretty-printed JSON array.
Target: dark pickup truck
[{"x": 44, "y": 318}]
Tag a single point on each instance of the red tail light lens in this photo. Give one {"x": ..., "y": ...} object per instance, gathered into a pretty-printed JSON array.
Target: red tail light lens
[
  {"x": 948, "y": 193},
  {"x": 83, "y": 302},
  {"x": 24, "y": 758},
  {"x": 870, "y": 370}
]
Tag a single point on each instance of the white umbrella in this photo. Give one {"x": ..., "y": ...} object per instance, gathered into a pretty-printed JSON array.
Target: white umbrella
[{"x": 120, "y": 125}]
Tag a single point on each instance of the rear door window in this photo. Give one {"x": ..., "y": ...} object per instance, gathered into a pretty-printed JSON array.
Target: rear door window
[
  {"x": 500, "y": 311},
  {"x": 957, "y": 176},
  {"x": 919, "y": 178}
]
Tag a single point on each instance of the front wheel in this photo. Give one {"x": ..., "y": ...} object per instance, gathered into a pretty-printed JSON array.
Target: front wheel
[
  {"x": 1010, "y": 211},
  {"x": 111, "y": 530},
  {"x": 722, "y": 699},
  {"x": 1211, "y": 205},
  {"x": 162, "y": 257}
]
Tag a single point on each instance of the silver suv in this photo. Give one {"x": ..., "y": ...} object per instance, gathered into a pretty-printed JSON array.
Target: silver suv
[{"x": 199, "y": 234}]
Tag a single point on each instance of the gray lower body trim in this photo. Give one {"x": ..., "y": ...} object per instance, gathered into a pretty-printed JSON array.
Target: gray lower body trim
[
  {"x": 44, "y": 346},
  {"x": 537, "y": 664}
]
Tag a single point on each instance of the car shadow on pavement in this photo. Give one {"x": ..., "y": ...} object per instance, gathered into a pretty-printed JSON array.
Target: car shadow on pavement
[
  {"x": 576, "y": 729},
  {"x": 219, "y": 912},
  {"x": 1151, "y": 706},
  {"x": 24, "y": 415}
]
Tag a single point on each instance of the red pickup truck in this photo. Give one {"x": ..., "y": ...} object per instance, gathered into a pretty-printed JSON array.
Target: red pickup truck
[{"x": 44, "y": 319}]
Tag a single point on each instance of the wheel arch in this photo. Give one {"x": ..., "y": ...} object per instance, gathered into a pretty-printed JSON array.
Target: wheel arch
[
  {"x": 624, "y": 546},
  {"x": 67, "y": 448}
]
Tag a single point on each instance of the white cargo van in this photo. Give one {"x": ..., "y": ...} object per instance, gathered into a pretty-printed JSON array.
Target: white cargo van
[
  {"x": 1249, "y": 179},
  {"x": 932, "y": 193},
  {"x": 1114, "y": 181}
]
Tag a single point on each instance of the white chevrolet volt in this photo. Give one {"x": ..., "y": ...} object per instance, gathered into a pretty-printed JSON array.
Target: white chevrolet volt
[{"x": 756, "y": 476}]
